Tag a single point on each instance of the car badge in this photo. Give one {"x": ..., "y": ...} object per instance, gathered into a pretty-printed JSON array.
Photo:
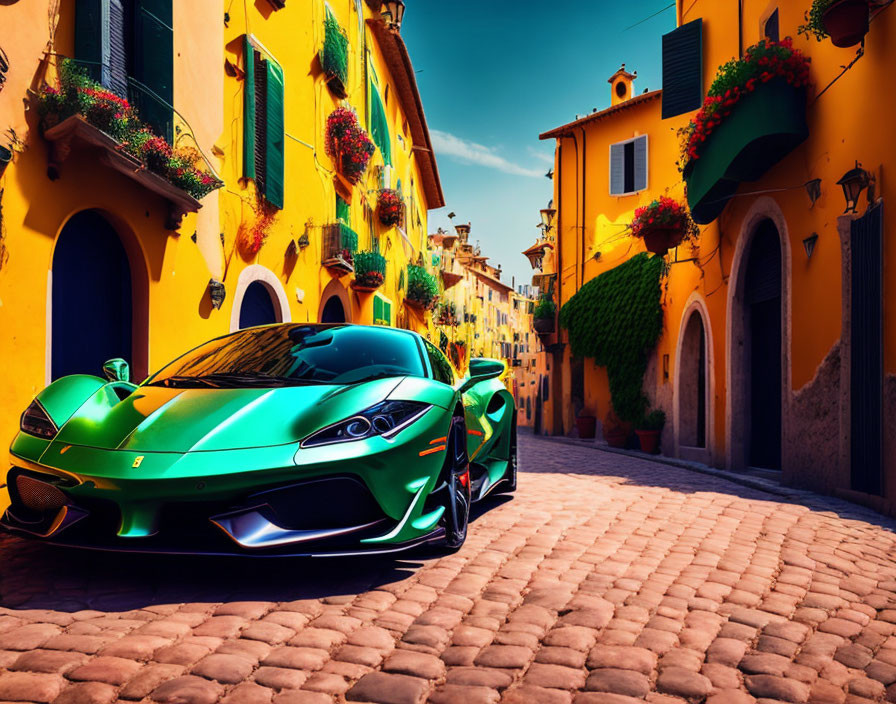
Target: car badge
[{"x": 138, "y": 460}]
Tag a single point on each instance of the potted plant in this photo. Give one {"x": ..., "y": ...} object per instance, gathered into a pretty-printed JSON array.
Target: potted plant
[
  {"x": 616, "y": 431},
  {"x": 649, "y": 429},
  {"x": 844, "y": 21},
  {"x": 348, "y": 145},
  {"x": 423, "y": 291},
  {"x": 334, "y": 57},
  {"x": 663, "y": 224},
  {"x": 447, "y": 314},
  {"x": 370, "y": 270},
  {"x": 543, "y": 315},
  {"x": 585, "y": 425},
  {"x": 389, "y": 207}
]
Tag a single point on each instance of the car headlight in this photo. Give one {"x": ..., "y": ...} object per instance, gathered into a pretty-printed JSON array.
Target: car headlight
[
  {"x": 35, "y": 421},
  {"x": 385, "y": 419}
]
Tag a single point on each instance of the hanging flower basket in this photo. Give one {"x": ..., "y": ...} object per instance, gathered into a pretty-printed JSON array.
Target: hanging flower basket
[
  {"x": 543, "y": 315},
  {"x": 389, "y": 207},
  {"x": 663, "y": 224},
  {"x": 334, "y": 57},
  {"x": 845, "y": 22},
  {"x": 348, "y": 145},
  {"x": 423, "y": 291}
]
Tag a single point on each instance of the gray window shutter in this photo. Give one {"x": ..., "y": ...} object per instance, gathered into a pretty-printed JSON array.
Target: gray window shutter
[
  {"x": 118, "y": 49},
  {"x": 641, "y": 163},
  {"x": 683, "y": 69},
  {"x": 617, "y": 169}
]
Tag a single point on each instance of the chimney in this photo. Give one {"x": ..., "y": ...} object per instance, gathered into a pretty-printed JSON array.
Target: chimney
[{"x": 622, "y": 86}]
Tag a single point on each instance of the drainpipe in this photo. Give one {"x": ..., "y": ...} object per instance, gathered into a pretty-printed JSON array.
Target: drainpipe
[
  {"x": 740, "y": 28},
  {"x": 584, "y": 207}
]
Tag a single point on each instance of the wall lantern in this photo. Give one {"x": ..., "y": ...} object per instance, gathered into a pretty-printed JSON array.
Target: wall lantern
[
  {"x": 217, "y": 293},
  {"x": 392, "y": 13},
  {"x": 813, "y": 190},
  {"x": 809, "y": 244},
  {"x": 854, "y": 182}
]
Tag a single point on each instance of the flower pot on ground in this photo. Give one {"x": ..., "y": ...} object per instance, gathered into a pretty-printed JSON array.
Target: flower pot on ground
[
  {"x": 663, "y": 224},
  {"x": 649, "y": 431},
  {"x": 585, "y": 426},
  {"x": 845, "y": 22},
  {"x": 616, "y": 432}
]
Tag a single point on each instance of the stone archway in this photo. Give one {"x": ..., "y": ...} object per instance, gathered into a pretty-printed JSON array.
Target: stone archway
[
  {"x": 259, "y": 299},
  {"x": 97, "y": 298},
  {"x": 758, "y": 341},
  {"x": 335, "y": 304},
  {"x": 694, "y": 385}
]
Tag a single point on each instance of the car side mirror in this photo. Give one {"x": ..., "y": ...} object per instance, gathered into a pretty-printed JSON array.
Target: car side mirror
[
  {"x": 483, "y": 369},
  {"x": 117, "y": 370}
]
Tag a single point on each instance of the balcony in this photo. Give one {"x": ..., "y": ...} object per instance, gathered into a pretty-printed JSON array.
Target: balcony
[
  {"x": 764, "y": 127},
  {"x": 75, "y": 130},
  {"x": 340, "y": 242}
]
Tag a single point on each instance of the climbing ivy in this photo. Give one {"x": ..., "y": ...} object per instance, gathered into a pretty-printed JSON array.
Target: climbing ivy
[{"x": 616, "y": 319}]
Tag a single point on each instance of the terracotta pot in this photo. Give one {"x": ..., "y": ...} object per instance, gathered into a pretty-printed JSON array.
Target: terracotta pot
[
  {"x": 615, "y": 437},
  {"x": 846, "y": 22},
  {"x": 585, "y": 425},
  {"x": 650, "y": 441},
  {"x": 660, "y": 240},
  {"x": 543, "y": 326}
]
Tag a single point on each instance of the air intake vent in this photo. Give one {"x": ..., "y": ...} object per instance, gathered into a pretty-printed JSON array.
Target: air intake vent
[{"x": 38, "y": 495}]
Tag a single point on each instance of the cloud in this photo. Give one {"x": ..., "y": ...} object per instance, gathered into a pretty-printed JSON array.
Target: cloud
[
  {"x": 448, "y": 145},
  {"x": 546, "y": 157}
]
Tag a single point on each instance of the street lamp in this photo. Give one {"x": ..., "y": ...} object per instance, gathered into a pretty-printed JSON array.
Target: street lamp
[
  {"x": 217, "y": 293},
  {"x": 392, "y": 13},
  {"x": 854, "y": 182}
]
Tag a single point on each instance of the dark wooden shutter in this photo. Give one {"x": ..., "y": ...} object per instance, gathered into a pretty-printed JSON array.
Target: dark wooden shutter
[
  {"x": 772, "y": 27},
  {"x": 866, "y": 352},
  {"x": 248, "y": 109},
  {"x": 118, "y": 48},
  {"x": 92, "y": 37},
  {"x": 154, "y": 65},
  {"x": 275, "y": 156},
  {"x": 261, "y": 122},
  {"x": 683, "y": 69}
]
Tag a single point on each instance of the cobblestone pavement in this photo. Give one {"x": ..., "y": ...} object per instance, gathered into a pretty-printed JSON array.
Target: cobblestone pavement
[{"x": 606, "y": 580}]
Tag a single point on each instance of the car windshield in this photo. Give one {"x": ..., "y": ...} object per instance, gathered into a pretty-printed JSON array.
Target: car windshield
[{"x": 294, "y": 355}]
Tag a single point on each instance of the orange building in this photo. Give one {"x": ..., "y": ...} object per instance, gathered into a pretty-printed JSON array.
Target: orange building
[{"x": 778, "y": 347}]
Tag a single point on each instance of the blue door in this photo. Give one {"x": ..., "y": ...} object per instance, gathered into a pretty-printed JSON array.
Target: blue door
[
  {"x": 257, "y": 307},
  {"x": 92, "y": 310}
]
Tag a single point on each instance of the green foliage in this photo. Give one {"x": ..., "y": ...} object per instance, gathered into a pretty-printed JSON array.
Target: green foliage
[
  {"x": 814, "y": 24},
  {"x": 369, "y": 263},
  {"x": 348, "y": 238},
  {"x": 422, "y": 287},
  {"x": 545, "y": 308},
  {"x": 616, "y": 319},
  {"x": 655, "y": 420},
  {"x": 334, "y": 57}
]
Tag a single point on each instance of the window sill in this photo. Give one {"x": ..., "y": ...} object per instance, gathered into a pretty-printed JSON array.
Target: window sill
[{"x": 75, "y": 130}]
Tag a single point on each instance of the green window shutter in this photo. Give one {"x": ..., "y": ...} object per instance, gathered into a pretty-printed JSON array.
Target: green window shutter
[
  {"x": 275, "y": 161},
  {"x": 379, "y": 126},
  {"x": 92, "y": 37},
  {"x": 382, "y": 311},
  {"x": 343, "y": 211},
  {"x": 154, "y": 65},
  {"x": 249, "y": 109}
]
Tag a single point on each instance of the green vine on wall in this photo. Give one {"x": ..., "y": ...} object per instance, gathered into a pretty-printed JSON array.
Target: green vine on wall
[{"x": 616, "y": 319}]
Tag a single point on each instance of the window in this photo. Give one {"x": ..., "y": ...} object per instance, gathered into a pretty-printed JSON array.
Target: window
[
  {"x": 628, "y": 166},
  {"x": 772, "y": 28},
  {"x": 441, "y": 369},
  {"x": 263, "y": 124},
  {"x": 128, "y": 46},
  {"x": 343, "y": 211},
  {"x": 382, "y": 310},
  {"x": 379, "y": 125},
  {"x": 683, "y": 69}
]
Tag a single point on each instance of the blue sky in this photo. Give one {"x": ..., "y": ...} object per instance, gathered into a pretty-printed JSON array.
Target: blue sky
[{"x": 494, "y": 74}]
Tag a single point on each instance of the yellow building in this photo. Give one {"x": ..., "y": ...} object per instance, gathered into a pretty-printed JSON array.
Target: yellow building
[
  {"x": 778, "y": 346},
  {"x": 105, "y": 253}
]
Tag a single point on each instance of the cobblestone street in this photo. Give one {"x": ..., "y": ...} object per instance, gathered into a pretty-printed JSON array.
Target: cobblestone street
[{"x": 605, "y": 580}]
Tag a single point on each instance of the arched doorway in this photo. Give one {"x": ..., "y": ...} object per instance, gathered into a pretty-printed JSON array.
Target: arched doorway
[
  {"x": 92, "y": 310},
  {"x": 333, "y": 311},
  {"x": 257, "y": 307},
  {"x": 762, "y": 299},
  {"x": 693, "y": 396}
]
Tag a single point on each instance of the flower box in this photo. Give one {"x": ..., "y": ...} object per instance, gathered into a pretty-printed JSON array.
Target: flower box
[
  {"x": 370, "y": 271},
  {"x": 543, "y": 326},
  {"x": 340, "y": 243},
  {"x": 423, "y": 291},
  {"x": 763, "y": 128}
]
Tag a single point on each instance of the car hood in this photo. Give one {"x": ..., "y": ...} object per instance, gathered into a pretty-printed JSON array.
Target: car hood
[{"x": 159, "y": 419}]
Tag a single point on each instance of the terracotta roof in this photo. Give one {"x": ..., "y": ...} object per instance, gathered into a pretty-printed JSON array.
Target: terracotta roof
[
  {"x": 396, "y": 56},
  {"x": 564, "y": 130},
  {"x": 490, "y": 280}
]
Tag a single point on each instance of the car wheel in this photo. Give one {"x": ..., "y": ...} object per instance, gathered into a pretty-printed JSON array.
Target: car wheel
[
  {"x": 457, "y": 479},
  {"x": 508, "y": 481}
]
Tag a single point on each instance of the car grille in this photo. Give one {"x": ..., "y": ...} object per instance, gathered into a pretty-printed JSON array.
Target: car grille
[{"x": 37, "y": 495}]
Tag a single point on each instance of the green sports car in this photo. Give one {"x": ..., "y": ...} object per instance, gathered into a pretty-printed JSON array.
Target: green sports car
[{"x": 290, "y": 439}]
